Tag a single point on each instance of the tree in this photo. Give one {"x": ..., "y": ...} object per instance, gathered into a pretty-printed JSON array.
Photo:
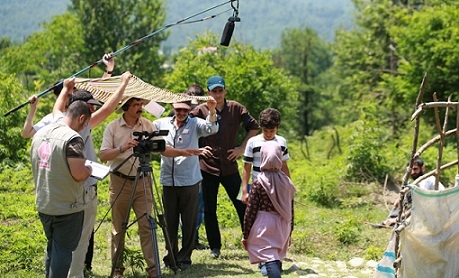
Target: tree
[
  {"x": 305, "y": 56},
  {"x": 110, "y": 25},
  {"x": 374, "y": 61},
  {"x": 13, "y": 148},
  {"x": 250, "y": 76},
  {"x": 363, "y": 55},
  {"x": 46, "y": 56},
  {"x": 426, "y": 43}
]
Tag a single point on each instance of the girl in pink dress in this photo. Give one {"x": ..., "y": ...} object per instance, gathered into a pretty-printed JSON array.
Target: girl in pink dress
[{"x": 268, "y": 220}]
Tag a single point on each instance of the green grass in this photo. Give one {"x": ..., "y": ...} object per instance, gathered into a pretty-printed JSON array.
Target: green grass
[
  {"x": 333, "y": 232},
  {"x": 317, "y": 234}
]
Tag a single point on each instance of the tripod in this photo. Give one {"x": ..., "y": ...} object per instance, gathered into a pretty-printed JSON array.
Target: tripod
[{"x": 144, "y": 173}]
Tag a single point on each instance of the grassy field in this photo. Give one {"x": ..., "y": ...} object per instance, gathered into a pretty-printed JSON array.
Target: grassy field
[
  {"x": 327, "y": 234},
  {"x": 332, "y": 233}
]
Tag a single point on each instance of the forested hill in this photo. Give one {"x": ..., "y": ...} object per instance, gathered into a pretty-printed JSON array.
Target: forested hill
[{"x": 261, "y": 21}]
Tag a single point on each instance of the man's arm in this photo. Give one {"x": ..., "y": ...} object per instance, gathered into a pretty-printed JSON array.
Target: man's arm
[
  {"x": 78, "y": 170},
  {"x": 103, "y": 112},
  {"x": 28, "y": 131},
  {"x": 63, "y": 98},
  {"x": 173, "y": 152},
  {"x": 238, "y": 151},
  {"x": 246, "y": 171},
  {"x": 76, "y": 160}
]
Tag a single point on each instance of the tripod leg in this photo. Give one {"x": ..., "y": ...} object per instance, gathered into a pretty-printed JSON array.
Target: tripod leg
[
  {"x": 147, "y": 226},
  {"x": 143, "y": 209},
  {"x": 163, "y": 225},
  {"x": 159, "y": 213}
]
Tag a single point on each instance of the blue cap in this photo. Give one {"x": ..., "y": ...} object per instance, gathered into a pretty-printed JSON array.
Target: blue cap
[{"x": 214, "y": 82}]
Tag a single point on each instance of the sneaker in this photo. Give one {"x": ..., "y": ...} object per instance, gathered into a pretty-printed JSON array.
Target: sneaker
[
  {"x": 215, "y": 253},
  {"x": 200, "y": 246},
  {"x": 263, "y": 270}
]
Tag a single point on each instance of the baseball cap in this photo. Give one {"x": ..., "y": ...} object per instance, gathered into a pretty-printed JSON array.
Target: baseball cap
[
  {"x": 84, "y": 96},
  {"x": 214, "y": 82}
]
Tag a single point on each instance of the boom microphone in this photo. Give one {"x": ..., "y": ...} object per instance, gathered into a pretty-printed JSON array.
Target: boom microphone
[
  {"x": 228, "y": 30},
  {"x": 227, "y": 33}
]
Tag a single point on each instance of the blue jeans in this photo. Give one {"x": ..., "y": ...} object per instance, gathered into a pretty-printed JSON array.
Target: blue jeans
[
  {"x": 63, "y": 233},
  {"x": 274, "y": 269}
]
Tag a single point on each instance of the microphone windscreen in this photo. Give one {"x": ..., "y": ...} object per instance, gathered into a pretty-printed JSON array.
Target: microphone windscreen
[{"x": 227, "y": 33}]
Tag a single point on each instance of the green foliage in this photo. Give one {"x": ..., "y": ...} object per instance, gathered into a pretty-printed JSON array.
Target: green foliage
[
  {"x": 303, "y": 242},
  {"x": 348, "y": 232},
  {"x": 21, "y": 249},
  {"x": 133, "y": 259},
  {"x": 28, "y": 245},
  {"x": 364, "y": 58},
  {"x": 373, "y": 253},
  {"x": 257, "y": 79},
  {"x": 112, "y": 25},
  {"x": 365, "y": 161},
  {"x": 425, "y": 40},
  {"x": 305, "y": 56},
  {"x": 48, "y": 55},
  {"x": 20, "y": 19},
  {"x": 13, "y": 148},
  {"x": 324, "y": 190}
]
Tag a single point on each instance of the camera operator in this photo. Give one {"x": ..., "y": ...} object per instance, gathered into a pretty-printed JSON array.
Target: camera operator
[
  {"x": 181, "y": 176},
  {"x": 118, "y": 144}
]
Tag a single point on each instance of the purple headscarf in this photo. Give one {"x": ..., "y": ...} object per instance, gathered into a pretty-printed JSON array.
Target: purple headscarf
[{"x": 276, "y": 183}]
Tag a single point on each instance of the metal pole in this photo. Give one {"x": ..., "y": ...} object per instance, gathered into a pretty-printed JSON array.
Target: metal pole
[{"x": 117, "y": 52}]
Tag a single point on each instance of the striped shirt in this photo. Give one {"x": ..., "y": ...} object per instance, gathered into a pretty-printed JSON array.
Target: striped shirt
[{"x": 252, "y": 152}]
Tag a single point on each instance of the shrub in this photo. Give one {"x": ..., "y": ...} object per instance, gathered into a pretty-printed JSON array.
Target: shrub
[
  {"x": 348, "y": 232},
  {"x": 373, "y": 253},
  {"x": 324, "y": 192},
  {"x": 303, "y": 243},
  {"x": 365, "y": 159}
]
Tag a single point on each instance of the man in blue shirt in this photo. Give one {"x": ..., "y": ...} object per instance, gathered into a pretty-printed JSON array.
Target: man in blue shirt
[{"x": 181, "y": 175}]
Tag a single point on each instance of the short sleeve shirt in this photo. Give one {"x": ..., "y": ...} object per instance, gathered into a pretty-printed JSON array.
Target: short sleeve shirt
[
  {"x": 252, "y": 152},
  {"x": 118, "y": 133}
]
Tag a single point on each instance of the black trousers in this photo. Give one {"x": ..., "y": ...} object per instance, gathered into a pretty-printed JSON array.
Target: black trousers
[
  {"x": 210, "y": 184},
  {"x": 181, "y": 205}
]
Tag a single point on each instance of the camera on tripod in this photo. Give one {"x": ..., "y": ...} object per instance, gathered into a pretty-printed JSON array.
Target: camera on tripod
[{"x": 146, "y": 144}]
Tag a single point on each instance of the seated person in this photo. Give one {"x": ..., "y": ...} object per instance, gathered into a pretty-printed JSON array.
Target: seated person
[{"x": 417, "y": 171}]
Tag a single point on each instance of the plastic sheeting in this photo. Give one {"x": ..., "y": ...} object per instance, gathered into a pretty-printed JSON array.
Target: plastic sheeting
[
  {"x": 385, "y": 267},
  {"x": 429, "y": 245}
]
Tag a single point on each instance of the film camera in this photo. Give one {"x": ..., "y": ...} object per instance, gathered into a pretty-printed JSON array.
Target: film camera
[{"x": 147, "y": 144}]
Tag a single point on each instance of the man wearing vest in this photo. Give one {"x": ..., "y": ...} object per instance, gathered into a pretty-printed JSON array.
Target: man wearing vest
[{"x": 59, "y": 171}]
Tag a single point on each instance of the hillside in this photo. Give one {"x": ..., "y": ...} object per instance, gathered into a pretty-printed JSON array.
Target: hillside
[{"x": 261, "y": 24}]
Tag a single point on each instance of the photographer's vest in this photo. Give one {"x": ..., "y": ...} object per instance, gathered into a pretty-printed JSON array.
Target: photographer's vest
[{"x": 57, "y": 192}]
